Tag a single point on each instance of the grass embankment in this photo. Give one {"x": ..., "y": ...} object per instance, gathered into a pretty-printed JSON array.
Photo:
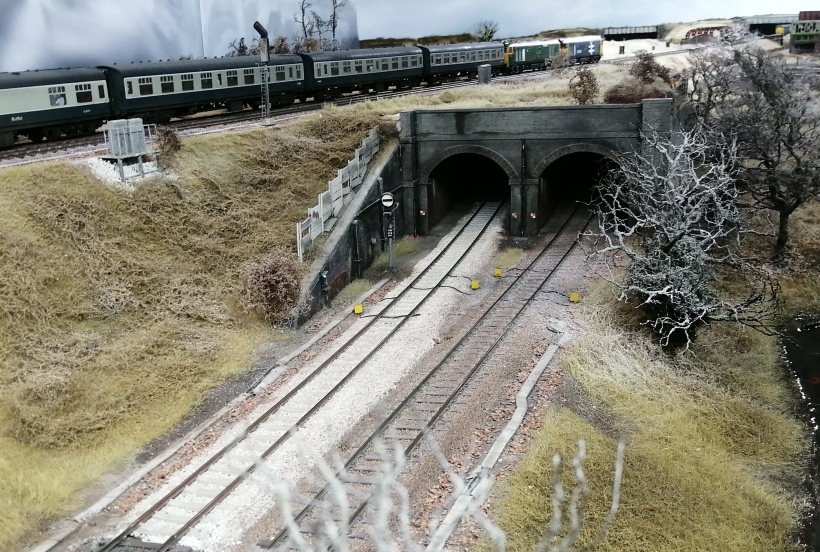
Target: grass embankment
[
  {"x": 119, "y": 310},
  {"x": 550, "y": 91},
  {"x": 713, "y": 449}
]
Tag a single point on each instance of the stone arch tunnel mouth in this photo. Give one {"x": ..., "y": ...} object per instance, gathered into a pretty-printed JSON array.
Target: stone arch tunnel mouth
[
  {"x": 462, "y": 179},
  {"x": 572, "y": 177}
]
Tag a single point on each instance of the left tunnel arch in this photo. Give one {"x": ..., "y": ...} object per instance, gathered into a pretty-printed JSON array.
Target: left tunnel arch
[{"x": 464, "y": 177}]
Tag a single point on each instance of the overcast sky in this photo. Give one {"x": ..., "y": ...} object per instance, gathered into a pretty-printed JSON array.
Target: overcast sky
[
  {"x": 38, "y": 34},
  {"x": 519, "y": 17}
]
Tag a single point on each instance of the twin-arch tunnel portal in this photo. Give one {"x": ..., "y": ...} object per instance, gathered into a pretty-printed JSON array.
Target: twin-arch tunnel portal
[
  {"x": 471, "y": 177},
  {"x": 535, "y": 156}
]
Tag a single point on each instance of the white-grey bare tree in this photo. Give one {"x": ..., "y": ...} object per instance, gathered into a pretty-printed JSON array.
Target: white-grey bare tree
[{"x": 668, "y": 224}]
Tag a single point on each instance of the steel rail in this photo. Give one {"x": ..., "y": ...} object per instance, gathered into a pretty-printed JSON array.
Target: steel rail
[
  {"x": 281, "y": 402},
  {"x": 24, "y": 150},
  {"x": 317, "y": 499}
]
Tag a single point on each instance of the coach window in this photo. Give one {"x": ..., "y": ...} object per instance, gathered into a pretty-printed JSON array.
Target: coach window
[
  {"x": 146, "y": 86},
  {"x": 346, "y": 69},
  {"x": 405, "y": 63},
  {"x": 334, "y": 68},
  {"x": 369, "y": 66},
  {"x": 130, "y": 88},
  {"x": 280, "y": 73},
  {"x": 167, "y": 84},
  {"x": 207, "y": 80},
  {"x": 290, "y": 72},
  {"x": 187, "y": 82},
  {"x": 233, "y": 78},
  {"x": 385, "y": 64},
  {"x": 56, "y": 95},
  {"x": 395, "y": 61},
  {"x": 101, "y": 90},
  {"x": 219, "y": 79},
  {"x": 358, "y": 66},
  {"x": 414, "y": 61},
  {"x": 298, "y": 72},
  {"x": 83, "y": 92},
  {"x": 472, "y": 56},
  {"x": 250, "y": 77},
  {"x": 438, "y": 59}
]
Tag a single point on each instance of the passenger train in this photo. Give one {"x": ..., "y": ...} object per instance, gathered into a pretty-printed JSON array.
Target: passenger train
[{"x": 55, "y": 103}]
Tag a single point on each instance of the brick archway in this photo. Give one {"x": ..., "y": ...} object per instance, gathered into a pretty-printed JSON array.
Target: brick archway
[
  {"x": 457, "y": 150},
  {"x": 574, "y": 148}
]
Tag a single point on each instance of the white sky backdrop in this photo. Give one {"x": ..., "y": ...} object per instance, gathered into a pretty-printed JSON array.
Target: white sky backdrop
[
  {"x": 36, "y": 34},
  {"x": 521, "y": 17}
]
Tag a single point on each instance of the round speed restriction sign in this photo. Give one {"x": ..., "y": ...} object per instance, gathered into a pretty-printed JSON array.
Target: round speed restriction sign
[{"x": 388, "y": 200}]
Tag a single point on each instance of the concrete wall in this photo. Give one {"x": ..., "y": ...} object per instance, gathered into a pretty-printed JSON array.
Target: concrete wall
[
  {"x": 523, "y": 142},
  {"x": 358, "y": 237}
]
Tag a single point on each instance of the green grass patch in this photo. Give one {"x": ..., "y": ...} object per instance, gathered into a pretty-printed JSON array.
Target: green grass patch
[
  {"x": 119, "y": 311},
  {"x": 510, "y": 257},
  {"x": 403, "y": 247},
  {"x": 709, "y": 436},
  {"x": 353, "y": 290}
]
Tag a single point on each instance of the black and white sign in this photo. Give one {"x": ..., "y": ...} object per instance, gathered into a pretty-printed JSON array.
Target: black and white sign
[{"x": 388, "y": 200}]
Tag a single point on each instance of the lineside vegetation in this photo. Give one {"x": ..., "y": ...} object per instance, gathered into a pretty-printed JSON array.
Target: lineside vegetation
[{"x": 120, "y": 311}]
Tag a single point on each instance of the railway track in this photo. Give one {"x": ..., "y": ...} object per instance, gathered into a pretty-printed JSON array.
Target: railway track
[
  {"x": 407, "y": 425},
  {"x": 26, "y": 153},
  {"x": 179, "y": 511}
]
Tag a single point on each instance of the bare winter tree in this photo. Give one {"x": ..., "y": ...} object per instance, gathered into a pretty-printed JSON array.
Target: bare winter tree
[
  {"x": 668, "y": 225},
  {"x": 333, "y": 21},
  {"x": 320, "y": 25},
  {"x": 772, "y": 112},
  {"x": 485, "y": 31},
  {"x": 238, "y": 49},
  {"x": 304, "y": 19}
]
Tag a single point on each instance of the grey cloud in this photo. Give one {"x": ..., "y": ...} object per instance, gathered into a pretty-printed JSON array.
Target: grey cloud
[{"x": 39, "y": 34}]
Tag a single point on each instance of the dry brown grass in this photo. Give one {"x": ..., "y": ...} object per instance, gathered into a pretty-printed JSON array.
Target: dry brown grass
[
  {"x": 552, "y": 90},
  {"x": 714, "y": 454},
  {"x": 801, "y": 284},
  {"x": 119, "y": 311},
  {"x": 708, "y": 436}
]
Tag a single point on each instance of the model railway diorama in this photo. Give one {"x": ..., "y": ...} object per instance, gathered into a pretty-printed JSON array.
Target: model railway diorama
[{"x": 56, "y": 103}]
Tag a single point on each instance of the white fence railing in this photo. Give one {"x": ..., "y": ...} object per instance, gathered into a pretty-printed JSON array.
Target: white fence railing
[{"x": 322, "y": 217}]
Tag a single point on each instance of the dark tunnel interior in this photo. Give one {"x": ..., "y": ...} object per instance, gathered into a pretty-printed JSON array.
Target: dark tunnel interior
[
  {"x": 466, "y": 177},
  {"x": 571, "y": 177}
]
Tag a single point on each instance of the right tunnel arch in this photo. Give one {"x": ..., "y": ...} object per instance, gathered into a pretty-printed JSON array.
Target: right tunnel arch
[{"x": 570, "y": 173}]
